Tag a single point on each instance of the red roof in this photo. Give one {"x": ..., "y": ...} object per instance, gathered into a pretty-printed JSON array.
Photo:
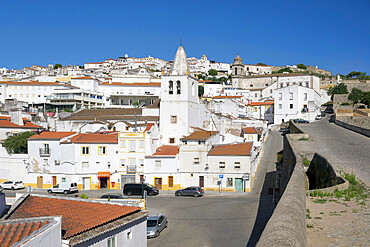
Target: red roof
[
  {"x": 199, "y": 135},
  {"x": 261, "y": 103},
  {"x": 77, "y": 216},
  {"x": 166, "y": 150},
  {"x": 94, "y": 138},
  {"x": 240, "y": 149},
  {"x": 27, "y": 125},
  {"x": 51, "y": 135},
  {"x": 83, "y": 78},
  {"x": 32, "y": 83},
  {"x": 226, "y": 97},
  {"x": 12, "y": 232},
  {"x": 136, "y": 84},
  {"x": 249, "y": 130},
  {"x": 148, "y": 127}
]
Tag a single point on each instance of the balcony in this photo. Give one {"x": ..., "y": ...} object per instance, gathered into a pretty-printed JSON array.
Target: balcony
[
  {"x": 45, "y": 152},
  {"x": 131, "y": 169}
]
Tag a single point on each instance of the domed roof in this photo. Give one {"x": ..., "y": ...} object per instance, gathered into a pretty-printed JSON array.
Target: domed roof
[
  {"x": 180, "y": 63},
  {"x": 238, "y": 59}
]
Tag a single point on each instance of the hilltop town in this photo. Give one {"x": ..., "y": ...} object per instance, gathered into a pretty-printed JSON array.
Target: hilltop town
[{"x": 192, "y": 123}]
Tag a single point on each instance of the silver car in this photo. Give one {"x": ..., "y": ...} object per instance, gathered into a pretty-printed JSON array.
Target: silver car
[{"x": 155, "y": 224}]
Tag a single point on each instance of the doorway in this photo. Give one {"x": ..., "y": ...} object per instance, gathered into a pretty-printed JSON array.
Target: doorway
[
  {"x": 238, "y": 184},
  {"x": 170, "y": 181},
  {"x": 54, "y": 180},
  {"x": 40, "y": 182},
  {"x": 86, "y": 183},
  {"x": 103, "y": 182},
  {"x": 201, "y": 181},
  {"x": 158, "y": 183}
]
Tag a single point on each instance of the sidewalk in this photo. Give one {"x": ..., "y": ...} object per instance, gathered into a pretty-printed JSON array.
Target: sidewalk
[{"x": 206, "y": 193}]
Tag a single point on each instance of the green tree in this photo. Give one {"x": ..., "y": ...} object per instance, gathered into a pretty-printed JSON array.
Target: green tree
[
  {"x": 283, "y": 70},
  {"x": 58, "y": 65},
  {"x": 356, "y": 95},
  {"x": 212, "y": 72},
  {"x": 341, "y": 88},
  {"x": 354, "y": 74},
  {"x": 17, "y": 144},
  {"x": 301, "y": 66},
  {"x": 200, "y": 90},
  {"x": 365, "y": 99}
]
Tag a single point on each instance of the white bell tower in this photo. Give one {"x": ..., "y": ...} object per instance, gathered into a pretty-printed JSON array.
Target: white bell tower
[{"x": 179, "y": 101}]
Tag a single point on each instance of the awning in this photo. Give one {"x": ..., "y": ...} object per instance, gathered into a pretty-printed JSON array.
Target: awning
[{"x": 103, "y": 174}]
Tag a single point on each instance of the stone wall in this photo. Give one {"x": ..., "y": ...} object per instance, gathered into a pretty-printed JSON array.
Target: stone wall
[
  {"x": 287, "y": 225},
  {"x": 359, "y": 124}
]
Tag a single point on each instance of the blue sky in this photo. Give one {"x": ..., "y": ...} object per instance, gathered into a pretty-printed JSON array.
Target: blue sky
[{"x": 334, "y": 35}]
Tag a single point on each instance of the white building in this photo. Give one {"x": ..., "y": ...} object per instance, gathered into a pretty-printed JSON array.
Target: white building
[
  {"x": 261, "y": 110},
  {"x": 180, "y": 106}
]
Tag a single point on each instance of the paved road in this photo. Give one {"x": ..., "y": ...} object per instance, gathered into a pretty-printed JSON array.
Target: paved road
[
  {"x": 213, "y": 220},
  {"x": 219, "y": 221},
  {"x": 348, "y": 150}
]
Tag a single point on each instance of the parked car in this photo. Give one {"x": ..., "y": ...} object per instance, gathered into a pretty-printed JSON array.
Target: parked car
[
  {"x": 12, "y": 185},
  {"x": 137, "y": 189},
  {"x": 300, "y": 120},
  {"x": 284, "y": 129},
  {"x": 323, "y": 114},
  {"x": 64, "y": 188},
  {"x": 190, "y": 191},
  {"x": 155, "y": 224},
  {"x": 114, "y": 196},
  {"x": 318, "y": 117}
]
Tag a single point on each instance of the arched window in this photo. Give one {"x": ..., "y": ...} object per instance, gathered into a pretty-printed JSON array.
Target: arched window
[
  {"x": 170, "y": 87},
  {"x": 236, "y": 71},
  {"x": 178, "y": 87}
]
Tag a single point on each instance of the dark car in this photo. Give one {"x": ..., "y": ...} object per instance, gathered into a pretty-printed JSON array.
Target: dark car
[
  {"x": 190, "y": 191},
  {"x": 114, "y": 196},
  {"x": 300, "y": 120},
  {"x": 284, "y": 129},
  {"x": 137, "y": 189}
]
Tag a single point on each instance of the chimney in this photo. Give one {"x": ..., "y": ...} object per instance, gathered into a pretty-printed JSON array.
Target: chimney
[{"x": 16, "y": 116}]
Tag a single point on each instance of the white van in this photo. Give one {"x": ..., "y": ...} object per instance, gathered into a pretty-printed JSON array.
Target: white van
[{"x": 64, "y": 188}]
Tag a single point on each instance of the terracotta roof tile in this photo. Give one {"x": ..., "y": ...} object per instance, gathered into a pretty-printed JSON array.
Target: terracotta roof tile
[
  {"x": 27, "y": 125},
  {"x": 12, "y": 232},
  {"x": 77, "y": 216},
  {"x": 261, "y": 103},
  {"x": 199, "y": 135},
  {"x": 94, "y": 138},
  {"x": 167, "y": 150},
  {"x": 33, "y": 83},
  {"x": 148, "y": 127},
  {"x": 83, "y": 78},
  {"x": 136, "y": 84},
  {"x": 249, "y": 130},
  {"x": 51, "y": 135},
  {"x": 226, "y": 97},
  {"x": 240, "y": 149}
]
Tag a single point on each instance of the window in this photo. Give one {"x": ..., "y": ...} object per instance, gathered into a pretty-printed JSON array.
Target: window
[
  {"x": 123, "y": 143},
  {"x": 291, "y": 106},
  {"x": 305, "y": 96},
  {"x": 141, "y": 162},
  {"x": 221, "y": 164},
  {"x": 141, "y": 144},
  {"x": 173, "y": 119},
  {"x": 132, "y": 146},
  {"x": 157, "y": 163},
  {"x": 85, "y": 164},
  {"x": 291, "y": 96},
  {"x": 172, "y": 140},
  {"x": 270, "y": 90},
  {"x": 85, "y": 150},
  {"x": 102, "y": 150},
  {"x": 255, "y": 109},
  {"x": 112, "y": 241},
  {"x": 229, "y": 182},
  {"x": 122, "y": 162},
  {"x": 178, "y": 87},
  {"x": 236, "y": 164},
  {"x": 129, "y": 235},
  {"x": 45, "y": 162},
  {"x": 251, "y": 85},
  {"x": 196, "y": 161},
  {"x": 307, "y": 84},
  {"x": 63, "y": 180},
  {"x": 280, "y": 96},
  {"x": 170, "y": 87}
]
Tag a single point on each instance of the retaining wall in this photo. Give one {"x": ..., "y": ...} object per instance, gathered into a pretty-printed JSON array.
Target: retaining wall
[
  {"x": 363, "y": 131},
  {"x": 287, "y": 225}
]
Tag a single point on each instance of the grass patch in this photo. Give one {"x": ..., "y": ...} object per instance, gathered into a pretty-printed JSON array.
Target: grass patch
[
  {"x": 306, "y": 162},
  {"x": 309, "y": 225},
  {"x": 355, "y": 210},
  {"x": 303, "y": 139},
  {"x": 318, "y": 218},
  {"x": 320, "y": 201},
  {"x": 308, "y": 214},
  {"x": 321, "y": 212}
]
